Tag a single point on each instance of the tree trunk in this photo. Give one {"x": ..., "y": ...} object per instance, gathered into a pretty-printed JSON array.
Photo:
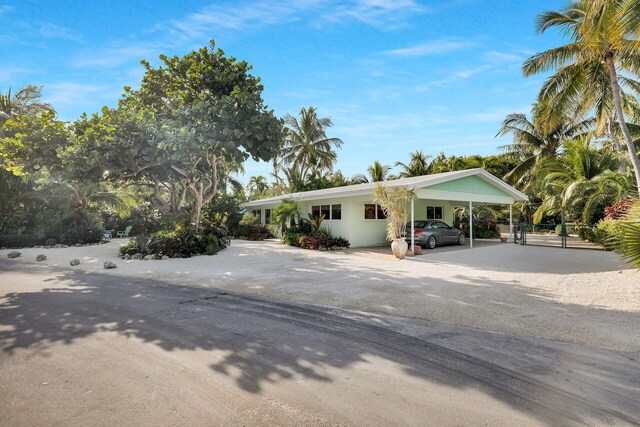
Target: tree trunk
[
  {"x": 202, "y": 196},
  {"x": 619, "y": 149},
  {"x": 617, "y": 102},
  {"x": 197, "y": 205}
]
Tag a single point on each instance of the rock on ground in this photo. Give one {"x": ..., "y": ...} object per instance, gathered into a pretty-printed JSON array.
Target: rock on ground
[
  {"x": 41, "y": 257},
  {"x": 14, "y": 254},
  {"x": 108, "y": 265},
  {"x": 74, "y": 262}
]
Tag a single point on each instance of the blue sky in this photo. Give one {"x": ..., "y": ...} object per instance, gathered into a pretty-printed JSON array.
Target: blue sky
[{"x": 394, "y": 76}]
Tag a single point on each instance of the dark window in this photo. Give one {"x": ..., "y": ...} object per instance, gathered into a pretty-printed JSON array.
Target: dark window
[
  {"x": 434, "y": 212},
  {"x": 315, "y": 211},
  {"x": 372, "y": 211},
  {"x": 329, "y": 211},
  {"x": 336, "y": 212},
  {"x": 369, "y": 211},
  {"x": 256, "y": 212},
  {"x": 326, "y": 211},
  {"x": 267, "y": 216}
]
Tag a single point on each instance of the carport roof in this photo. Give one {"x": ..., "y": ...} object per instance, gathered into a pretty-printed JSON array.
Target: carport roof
[{"x": 413, "y": 182}]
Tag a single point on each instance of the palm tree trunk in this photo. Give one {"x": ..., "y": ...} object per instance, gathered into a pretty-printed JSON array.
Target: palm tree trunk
[
  {"x": 617, "y": 102},
  {"x": 618, "y": 145}
]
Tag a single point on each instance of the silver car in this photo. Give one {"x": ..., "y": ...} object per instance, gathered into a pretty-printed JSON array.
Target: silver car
[{"x": 432, "y": 233}]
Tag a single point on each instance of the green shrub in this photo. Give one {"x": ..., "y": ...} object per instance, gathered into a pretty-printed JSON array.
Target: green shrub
[
  {"x": 251, "y": 229},
  {"x": 128, "y": 247},
  {"x": 322, "y": 242},
  {"x": 571, "y": 229},
  {"x": 292, "y": 238},
  {"x": 20, "y": 240},
  {"x": 607, "y": 233},
  {"x": 50, "y": 242},
  {"x": 586, "y": 233},
  {"x": 183, "y": 243},
  {"x": 213, "y": 246}
]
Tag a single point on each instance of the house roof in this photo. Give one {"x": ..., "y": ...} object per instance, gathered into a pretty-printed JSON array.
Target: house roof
[{"x": 413, "y": 182}]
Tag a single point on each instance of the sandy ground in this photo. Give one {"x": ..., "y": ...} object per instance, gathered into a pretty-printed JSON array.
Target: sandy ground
[{"x": 581, "y": 296}]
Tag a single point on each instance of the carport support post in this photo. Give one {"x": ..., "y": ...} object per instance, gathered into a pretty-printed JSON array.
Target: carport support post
[
  {"x": 470, "y": 224},
  {"x": 413, "y": 248},
  {"x": 510, "y": 223}
]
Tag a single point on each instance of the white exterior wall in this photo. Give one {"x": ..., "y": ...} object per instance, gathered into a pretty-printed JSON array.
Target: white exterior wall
[
  {"x": 338, "y": 228},
  {"x": 362, "y": 232}
]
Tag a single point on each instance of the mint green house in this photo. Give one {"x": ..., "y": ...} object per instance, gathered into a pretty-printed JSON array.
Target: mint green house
[{"x": 350, "y": 213}]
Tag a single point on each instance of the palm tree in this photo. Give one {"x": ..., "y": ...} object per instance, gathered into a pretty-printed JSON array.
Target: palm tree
[
  {"x": 24, "y": 102},
  {"x": 568, "y": 180},
  {"x": 418, "y": 165},
  {"x": 286, "y": 214},
  {"x": 598, "y": 35},
  {"x": 307, "y": 147},
  {"x": 532, "y": 143},
  {"x": 628, "y": 240},
  {"x": 377, "y": 173},
  {"x": 257, "y": 185}
]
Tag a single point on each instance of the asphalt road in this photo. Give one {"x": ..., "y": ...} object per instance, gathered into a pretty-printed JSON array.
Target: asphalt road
[{"x": 90, "y": 349}]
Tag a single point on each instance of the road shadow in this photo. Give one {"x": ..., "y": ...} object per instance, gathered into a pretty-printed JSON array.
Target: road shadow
[{"x": 268, "y": 341}]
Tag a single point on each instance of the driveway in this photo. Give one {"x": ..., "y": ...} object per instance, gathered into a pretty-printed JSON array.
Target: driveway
[
  {"x": 580, "y": 296},
  {"x": 81, "y": 348}
]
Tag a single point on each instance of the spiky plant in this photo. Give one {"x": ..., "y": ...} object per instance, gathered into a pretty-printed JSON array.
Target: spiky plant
[{"x": 394, "y": 205}]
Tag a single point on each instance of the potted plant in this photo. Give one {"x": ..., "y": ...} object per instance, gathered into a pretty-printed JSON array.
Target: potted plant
[{"x": 394, "y": 205}]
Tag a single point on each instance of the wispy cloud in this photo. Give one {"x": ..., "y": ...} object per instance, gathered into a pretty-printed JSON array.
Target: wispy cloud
[
  {"x": 5, "y": 8},
  {"x": 433, "y": 47},
  {"x": 112, "y": 58},
  {"x": 382, "y": 14},
  {"x": 236, "y": 16},
  {"x": 50, "y": 31}
]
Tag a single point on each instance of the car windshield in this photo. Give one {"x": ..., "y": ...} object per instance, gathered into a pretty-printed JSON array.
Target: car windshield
[{"x": 417, "y": 224}]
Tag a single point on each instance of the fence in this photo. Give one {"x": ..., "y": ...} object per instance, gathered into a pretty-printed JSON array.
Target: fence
[{"x": 567, "y": 235}]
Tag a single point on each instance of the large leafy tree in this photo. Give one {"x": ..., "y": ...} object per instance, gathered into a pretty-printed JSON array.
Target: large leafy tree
[
  {"x": 599, "y": 35},
  {"x": 307, "y": 147},
  {"x": 32, "y": 142},
  {"x": 207, "y": 109}
]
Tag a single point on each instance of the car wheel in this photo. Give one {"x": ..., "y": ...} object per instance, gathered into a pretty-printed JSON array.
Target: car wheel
[
  {"x": 461, "y": 239},
  {"x": 431, "y": 242}
]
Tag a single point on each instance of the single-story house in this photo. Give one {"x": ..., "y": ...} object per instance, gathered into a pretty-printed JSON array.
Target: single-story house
[{"x": 350, "y": 212}]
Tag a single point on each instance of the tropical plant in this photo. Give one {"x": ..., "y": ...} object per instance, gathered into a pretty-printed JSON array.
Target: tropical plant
[
  {"x": 628, "y": 237},
  {"x": 568, "y": 180},
  {"x": 25, "y": 102},
  {"x": 377, "y": 172},
  {"x": 394, "y": 204},
  {"x": 599, "y": 35},
  {"x": 307, "y": 148},
  {"x": 533, "y": 143},
  {"x": 419, "y": 164},
  {"x": 286, "y": 214},
  {"x": 257, "y": 186},
  {"x": 316, "y": 222}
]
